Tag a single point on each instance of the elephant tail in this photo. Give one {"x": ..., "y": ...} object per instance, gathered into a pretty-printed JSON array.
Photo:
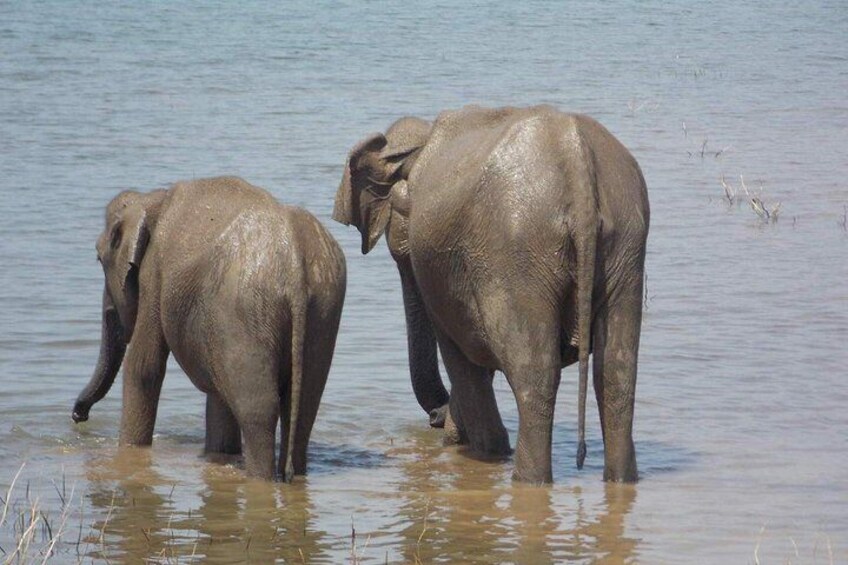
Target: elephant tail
[
  {"x": 298, "y": 333},
  {"x": 586, "y": 238}
]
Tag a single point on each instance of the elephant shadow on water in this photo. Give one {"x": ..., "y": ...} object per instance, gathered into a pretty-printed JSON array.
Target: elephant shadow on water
[
  {"x": 326, "y": 458},
  {"x": 140, "y": 514}
]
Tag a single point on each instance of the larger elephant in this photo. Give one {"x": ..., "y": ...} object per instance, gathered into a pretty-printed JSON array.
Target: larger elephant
[
  {"x": 247, "y": 294},
  {"x": 520, "y": 235}
]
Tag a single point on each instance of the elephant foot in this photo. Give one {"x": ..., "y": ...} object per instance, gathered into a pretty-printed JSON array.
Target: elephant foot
[
  {"x": 535, "y": 477},
  {"x": 438, "y": 416},
  {"x": 222, "y": 447},
  {"x": 620, "y": 460},
  {"x": 490, "y": 445},
  {"x": 220, "y": 458},
  {"x": 626, "y": 475},
  {"x": 496, "y": 446}
]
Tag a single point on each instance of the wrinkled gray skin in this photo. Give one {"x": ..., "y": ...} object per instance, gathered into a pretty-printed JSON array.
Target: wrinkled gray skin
[
  {"x": 246, "y": 293},
  {"x": 520, "y": 237}
]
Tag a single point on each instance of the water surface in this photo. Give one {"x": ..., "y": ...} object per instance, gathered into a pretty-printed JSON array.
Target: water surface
[{"x": 741, "y": 421}]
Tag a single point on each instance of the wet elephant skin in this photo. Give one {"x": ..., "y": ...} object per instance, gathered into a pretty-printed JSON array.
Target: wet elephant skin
[
  {"x": 245, "y": 292},
  {"x": 520, "y": 235}
]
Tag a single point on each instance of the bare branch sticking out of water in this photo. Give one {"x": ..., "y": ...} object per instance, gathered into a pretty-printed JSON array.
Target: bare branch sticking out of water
[
  {"x": 729, "y": 191},
  {"x": 796, "y": 555},
  {"x": 355, "y": 555},
  {"x": 721, "y": 151},
  {"x": 106, "y": 523},
  {"x": 766, "y": 212},
  {"x": 757, "y": 547},
  {"x": 423, "y": 531},
  {"x": 702, "y": 152}
]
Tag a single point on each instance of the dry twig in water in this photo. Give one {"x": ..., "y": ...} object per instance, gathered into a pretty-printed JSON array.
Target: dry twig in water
[{"x": 767, "y": 213}]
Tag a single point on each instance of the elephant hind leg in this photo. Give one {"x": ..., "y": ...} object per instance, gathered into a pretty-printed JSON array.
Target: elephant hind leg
[
  {"x": 250, "y": 385},
  {"x": 473, "y": 407},
  {"x": 535, "y": 393},
  {"x": 616, "y": 349},
  {"x": 531, "y": 361},
  {"x": 259, "y": 432}
]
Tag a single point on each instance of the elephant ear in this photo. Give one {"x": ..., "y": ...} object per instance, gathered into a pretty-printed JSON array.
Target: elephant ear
[
  {"x": 128, "y": 241},
  {"x": 343, "y": 211},
  {"x": 375, "y": 211},
  {"x": 362, "y": 199},
  {"x": 405, "y": 136}
]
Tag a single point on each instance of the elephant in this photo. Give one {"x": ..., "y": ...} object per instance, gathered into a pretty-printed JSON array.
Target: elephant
[
  {"x": 519, "y": 235},
  {"x": 246, "y": 292}
]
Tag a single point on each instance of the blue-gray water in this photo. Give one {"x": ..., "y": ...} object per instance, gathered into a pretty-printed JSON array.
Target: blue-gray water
[{"x": 741, "y": 425}]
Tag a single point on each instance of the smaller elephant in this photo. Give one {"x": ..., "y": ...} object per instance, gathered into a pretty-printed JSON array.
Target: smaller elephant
[{"x": 246, "y": 292}]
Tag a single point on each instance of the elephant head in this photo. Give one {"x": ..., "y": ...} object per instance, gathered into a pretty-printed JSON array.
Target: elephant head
[
  {"x": 120, "y": 249},
  {"x": 374, "y": 197},
  {"x": 373, "y": 191}
]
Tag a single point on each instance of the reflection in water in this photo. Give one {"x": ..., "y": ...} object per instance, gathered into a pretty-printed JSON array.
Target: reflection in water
[
  {"x": 456, "y": 509},
  {"x": 239, "y": 517},
  {"x": 126, "y": 494},
  {"x": 140, "y": 514},
  {"x": 607, "y": 531}
]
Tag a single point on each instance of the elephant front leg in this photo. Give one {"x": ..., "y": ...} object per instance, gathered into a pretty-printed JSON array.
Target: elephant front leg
[
  {"x": 144, "y": 370},
  {"x": 223, "y": 434},
  {"x": 616, "y": 349}
]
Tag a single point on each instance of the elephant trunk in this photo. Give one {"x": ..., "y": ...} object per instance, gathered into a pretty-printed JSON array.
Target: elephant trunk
[
  {"x": 423, "y": 359},
  {"x": 112, "y": 348}
]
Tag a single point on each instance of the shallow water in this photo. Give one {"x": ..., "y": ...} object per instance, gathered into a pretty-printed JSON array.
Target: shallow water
[{"x": 741, "y": 421}]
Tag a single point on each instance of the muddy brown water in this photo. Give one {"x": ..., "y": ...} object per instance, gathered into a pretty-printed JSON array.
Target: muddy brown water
[{"x": 741, "y": 426}]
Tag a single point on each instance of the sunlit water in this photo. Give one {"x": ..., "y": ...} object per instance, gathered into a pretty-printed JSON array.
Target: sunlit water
[{"x": 741, "y": 424}]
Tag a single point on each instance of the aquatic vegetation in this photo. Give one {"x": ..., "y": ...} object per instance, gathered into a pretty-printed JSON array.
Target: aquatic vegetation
[{"x": 28, "y": 522}]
